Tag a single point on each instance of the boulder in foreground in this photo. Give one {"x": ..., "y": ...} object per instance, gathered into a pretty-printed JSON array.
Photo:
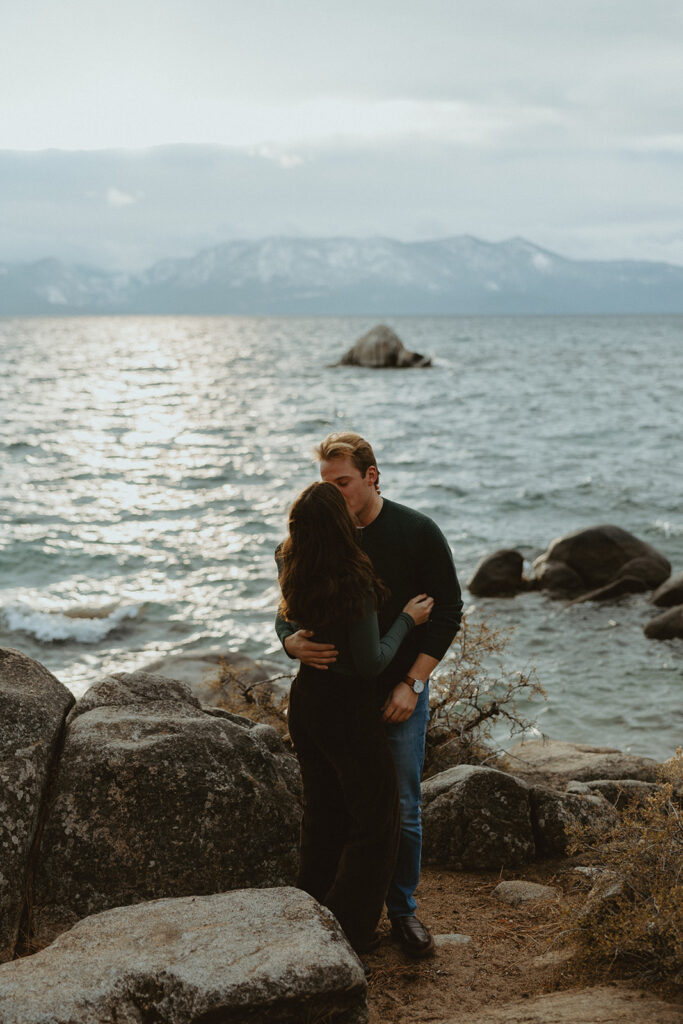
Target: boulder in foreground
[
  {"x": 272, "y": 956},
  {"x": 33, "y": 707},
  {"x": 381, "y": 347},
  {"x": 476, "y": 818},
  {"x": 156, "y": 797}
]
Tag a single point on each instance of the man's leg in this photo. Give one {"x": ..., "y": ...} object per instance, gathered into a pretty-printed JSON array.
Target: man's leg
[{"x": 407, "y": 742}]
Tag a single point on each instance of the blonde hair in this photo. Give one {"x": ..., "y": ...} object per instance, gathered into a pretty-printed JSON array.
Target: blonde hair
[{"x": 346, "y": 444}]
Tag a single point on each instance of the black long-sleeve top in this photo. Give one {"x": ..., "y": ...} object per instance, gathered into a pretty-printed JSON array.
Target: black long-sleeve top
[{"x": 411, "y": 556}]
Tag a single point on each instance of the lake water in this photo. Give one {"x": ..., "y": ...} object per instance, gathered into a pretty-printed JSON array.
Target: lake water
[{"x": 147, "y": 465}]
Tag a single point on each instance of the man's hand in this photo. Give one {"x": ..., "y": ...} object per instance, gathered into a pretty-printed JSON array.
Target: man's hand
[
  {"x": 400, "y": 704},
  {"x": 308, "y": 652}
]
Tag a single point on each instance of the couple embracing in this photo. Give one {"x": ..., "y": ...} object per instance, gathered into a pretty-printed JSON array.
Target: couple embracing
[{"x": 370, "y": 605}]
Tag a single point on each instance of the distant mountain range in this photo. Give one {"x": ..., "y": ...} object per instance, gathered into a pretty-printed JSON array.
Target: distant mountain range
[{"x": 344, "y": 276}]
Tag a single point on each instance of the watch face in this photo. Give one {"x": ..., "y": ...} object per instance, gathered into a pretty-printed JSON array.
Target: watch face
[{"x": 418, "y": 686}]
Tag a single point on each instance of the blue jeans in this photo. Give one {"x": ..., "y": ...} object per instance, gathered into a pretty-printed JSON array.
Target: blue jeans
[{"x": 407, "y": 743}]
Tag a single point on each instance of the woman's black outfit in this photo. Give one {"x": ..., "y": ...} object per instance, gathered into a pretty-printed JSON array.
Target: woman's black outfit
[{"x": 350, "y": 825}]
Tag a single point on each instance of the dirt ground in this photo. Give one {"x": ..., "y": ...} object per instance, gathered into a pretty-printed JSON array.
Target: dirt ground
[{"x": 515, "y": 951}]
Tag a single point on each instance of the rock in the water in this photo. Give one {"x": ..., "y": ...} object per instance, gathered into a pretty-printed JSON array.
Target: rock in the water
[
  {"x": 619, "y": 587},
  {"x": 499, "y": 575},
  {"x": 667, "y": 626},
  {"x": 670, "y": 593},
  {"x": 33, "y": 707},
  {"x": 557, "y": 579},
  {"x": 381, "y": 347},
  {"x": 518, "y": 892},
  {"x": 597, "y": 556},
  {"x": 553, "y": 813},
  {"x": 604, "y": 1004},
  {"x": 477, "y": 818},
  {"x": 156, "y": 797},
  {"x": 557, "y": 763},
  {"x": 268, "y": 956}
]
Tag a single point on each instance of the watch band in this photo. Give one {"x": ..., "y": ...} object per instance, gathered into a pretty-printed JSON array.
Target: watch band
[{"x": 416, "y": 685}]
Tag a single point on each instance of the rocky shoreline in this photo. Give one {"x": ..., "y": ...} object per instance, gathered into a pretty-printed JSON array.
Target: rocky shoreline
[
  {"x": 596, "y": 564},
  {"x": 162, "y": 833}
]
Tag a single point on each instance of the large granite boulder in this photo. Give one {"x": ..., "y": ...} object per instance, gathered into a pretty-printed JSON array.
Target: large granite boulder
[
  {"x": 667, "y": 626},
  {"x": 554, "y": 813},
  {"x": 670, "y": 593},
  {"x": 499, "y": 575},
  {"x": 589, "y": 559},
  {"x": 555, "y": 763},
  {"x": 33, "y": 708},
  {"x": 155, "y": 796},
  {"x": 381, "y": 347},
  {"x": 476, "y": 818},
  {"x": 270, "y": 956}
]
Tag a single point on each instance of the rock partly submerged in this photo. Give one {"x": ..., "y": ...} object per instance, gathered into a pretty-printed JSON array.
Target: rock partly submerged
[
  {"x": 667, "y": 626},
  {"x": 33, "y": 709},
  {"x": 598, "y": 563},
  {"x": 500, "y": 575},
  {"x": 382, "y": 348},
  {"x": 588, "y": 560},
  {"x": 269, "y": 956}
]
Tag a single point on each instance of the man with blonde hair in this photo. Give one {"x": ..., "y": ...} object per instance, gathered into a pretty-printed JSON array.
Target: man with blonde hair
[{"x": 410, "y": 555}]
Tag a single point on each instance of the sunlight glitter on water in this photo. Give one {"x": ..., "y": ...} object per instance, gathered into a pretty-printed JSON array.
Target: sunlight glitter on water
[{"x": 152, "y": 461}]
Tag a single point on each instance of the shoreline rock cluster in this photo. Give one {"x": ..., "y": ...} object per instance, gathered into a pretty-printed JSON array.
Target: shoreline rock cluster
[
  {"x": 148, "y": 845},
  {"x": 598, "y": 563}
]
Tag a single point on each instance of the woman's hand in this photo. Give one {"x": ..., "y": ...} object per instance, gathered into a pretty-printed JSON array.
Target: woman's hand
[{"x": 419, "y": 608}]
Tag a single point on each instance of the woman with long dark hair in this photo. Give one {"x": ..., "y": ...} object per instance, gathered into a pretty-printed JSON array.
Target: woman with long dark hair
[{"x": 350, "y": 825}]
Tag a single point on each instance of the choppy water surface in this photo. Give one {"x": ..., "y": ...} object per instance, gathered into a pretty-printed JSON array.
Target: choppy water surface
[{"x": 147, "y": 465}]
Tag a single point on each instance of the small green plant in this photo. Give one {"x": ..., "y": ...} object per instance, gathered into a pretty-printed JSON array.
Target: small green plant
[
  {"x": 637, "y": 931},
  {"x": 472, "y": 692}
]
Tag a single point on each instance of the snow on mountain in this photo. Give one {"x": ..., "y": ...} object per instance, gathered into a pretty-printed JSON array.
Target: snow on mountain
[{"x": 349, "y": 275}]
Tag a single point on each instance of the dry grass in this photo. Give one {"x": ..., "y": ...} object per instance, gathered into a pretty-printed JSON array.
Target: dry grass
[{"x": 638, "y": 932}]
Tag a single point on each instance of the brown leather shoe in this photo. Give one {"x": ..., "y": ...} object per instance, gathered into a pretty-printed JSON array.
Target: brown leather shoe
[{"x": 415, "y": 938}]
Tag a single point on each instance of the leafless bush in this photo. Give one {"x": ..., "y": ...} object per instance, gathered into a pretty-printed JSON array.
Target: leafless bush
[
  {"x": 472, "y": 692},
  {"x": 638, "y": 932}
]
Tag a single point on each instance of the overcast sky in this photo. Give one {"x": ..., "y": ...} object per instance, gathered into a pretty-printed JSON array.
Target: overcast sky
[{"x": 438, "y": 117}]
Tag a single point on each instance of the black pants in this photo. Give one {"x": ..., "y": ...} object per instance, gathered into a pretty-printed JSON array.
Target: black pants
[{"x": 350, "y": 825}]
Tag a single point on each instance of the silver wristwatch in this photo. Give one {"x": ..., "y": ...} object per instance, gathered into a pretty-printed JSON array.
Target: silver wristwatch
[{"x": 416, "y": 685}]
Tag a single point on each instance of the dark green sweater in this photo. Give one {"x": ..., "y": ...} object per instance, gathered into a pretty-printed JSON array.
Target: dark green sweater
[{"x": 410, "y": 555}]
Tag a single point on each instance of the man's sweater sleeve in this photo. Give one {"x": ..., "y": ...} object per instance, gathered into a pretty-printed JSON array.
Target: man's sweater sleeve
[
  {"x": 441, "y": 583},
  {"x": 283, "y": 628}
]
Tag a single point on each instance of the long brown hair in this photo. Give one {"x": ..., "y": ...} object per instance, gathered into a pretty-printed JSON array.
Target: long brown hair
[{"x": 325, "y": 576}]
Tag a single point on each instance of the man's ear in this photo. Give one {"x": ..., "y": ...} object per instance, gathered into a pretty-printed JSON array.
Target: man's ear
[{"x": 372, "y": 476}]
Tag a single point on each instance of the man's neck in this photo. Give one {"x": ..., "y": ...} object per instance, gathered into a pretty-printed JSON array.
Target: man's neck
[{"x": 368, "y": 514}]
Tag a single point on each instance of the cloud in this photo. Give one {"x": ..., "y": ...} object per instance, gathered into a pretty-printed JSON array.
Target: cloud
[
  {"x": 286, "y": 161},
  {"x": 116, "y": 197}
]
